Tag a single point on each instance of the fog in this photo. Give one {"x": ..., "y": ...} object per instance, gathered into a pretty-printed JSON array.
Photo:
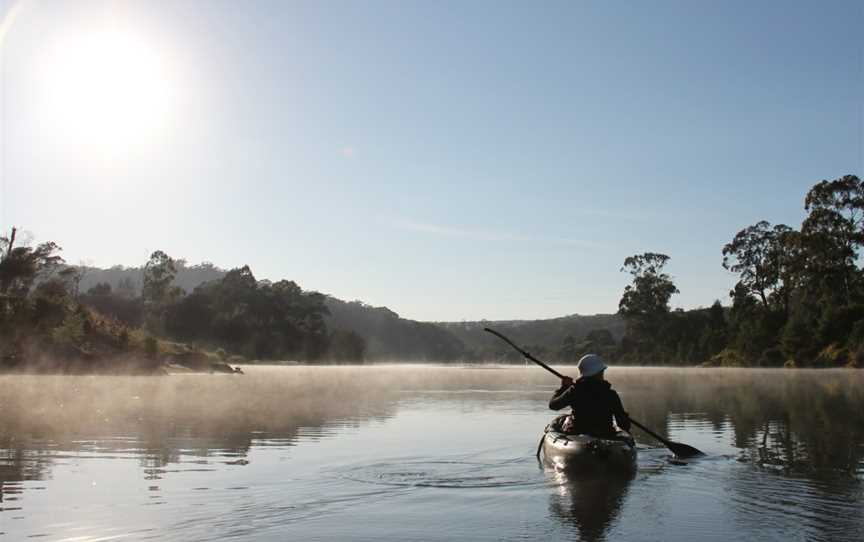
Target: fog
[{"x": 277, "y": 400}]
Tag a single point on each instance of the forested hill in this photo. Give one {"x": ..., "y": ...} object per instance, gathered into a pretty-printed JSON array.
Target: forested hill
[
  {"x": 556, "y": 339},
  {"x": 131, "y": 278},
  {"x": 389, "y": 337},
  {"x": 392, "y": 338}
]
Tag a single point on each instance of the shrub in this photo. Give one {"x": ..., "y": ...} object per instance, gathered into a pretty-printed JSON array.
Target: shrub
[
  {"x": 151, "y": 347},
  {"x": 772, "y": 357},
  {"x": 123, "y": 338},
  {"x": 832, "y": 355},
  {"x": 855, "y": 359},
  {"x": 71, "y": 332},
  {"x": 729, "y": 357},
  {"x": 797, "y": 339}
]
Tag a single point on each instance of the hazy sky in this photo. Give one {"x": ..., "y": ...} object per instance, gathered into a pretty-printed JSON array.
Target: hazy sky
[{"x": 450, "y": 160}]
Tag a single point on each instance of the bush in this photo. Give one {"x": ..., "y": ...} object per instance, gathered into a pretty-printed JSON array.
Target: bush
[
  {"x": 729, "y": 357},
  {"x": 832, "y": 355},
  {"x": 71, "y": 332},
  {"x": 151, "y": 347},
  {"x": 856, "y": 336},
  {"x": 855, "y": 359},
  {"x": 797, "y": 339},
  {"x": 836, "y": 324},
  {"x": 772, "y": 357}
]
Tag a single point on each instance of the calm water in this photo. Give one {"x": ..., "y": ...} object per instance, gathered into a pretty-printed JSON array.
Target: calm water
[{"x": 422, "y": 453}]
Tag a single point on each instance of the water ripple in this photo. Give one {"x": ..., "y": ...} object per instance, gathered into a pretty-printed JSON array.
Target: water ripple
[{"x": 450, "y": 473}]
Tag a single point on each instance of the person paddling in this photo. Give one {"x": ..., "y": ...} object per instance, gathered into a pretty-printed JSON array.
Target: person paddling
[{"x": 593, "y": 401}]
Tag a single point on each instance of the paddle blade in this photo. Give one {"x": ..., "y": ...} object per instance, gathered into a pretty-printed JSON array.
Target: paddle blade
[
  {"x": 683, "y": 450},
  {"x": 680, "y": 450}
]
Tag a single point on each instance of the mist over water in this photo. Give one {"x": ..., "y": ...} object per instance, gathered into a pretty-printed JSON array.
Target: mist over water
[{"x": 422, "y": 453}]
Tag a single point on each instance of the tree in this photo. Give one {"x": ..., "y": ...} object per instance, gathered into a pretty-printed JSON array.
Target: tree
[
  {"x": 843, "y": 198},
  {"x": 259, "y": 319},
  {"x": 645, "y": 305},
  {"x": 346, "y": 346},
  {"x": 756, "y": 254},
  {"x": 649, "y": 294},
  {"x": 102, "y": 288},
  {"x": 567, "y": 351},
  {"x": 157, "y": 292},
  {"x": 832, "y": 235},
  {"x": 126, "y": 288},
  {"x": 115, "y": 304},
  {"x": 159, "y": 273},
  {"x": 21, "y": 265}
]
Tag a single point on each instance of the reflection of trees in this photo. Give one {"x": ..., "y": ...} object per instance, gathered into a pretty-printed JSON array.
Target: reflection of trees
[
  {"x": 798, "y": 420},
  {"x": 165, "y": 420},
  {"x": 589, "y": 504},
  {"x": 18, "y": 464},
  {"x": 803, "y": 422}
]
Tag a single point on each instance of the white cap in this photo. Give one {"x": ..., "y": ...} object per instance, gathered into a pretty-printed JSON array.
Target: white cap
[{"x": 591, "y": 365}]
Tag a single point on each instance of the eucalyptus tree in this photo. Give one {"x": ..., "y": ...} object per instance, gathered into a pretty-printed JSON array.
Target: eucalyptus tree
[
  {"x": 21, "y": 265},
  {"x": 645, "y": 302},
  {"x": 832, "y": 236},
  {"x": 157, "y": 291},
  {"x": 651, "y": 288},
  {"x": 759, "y": 255}
]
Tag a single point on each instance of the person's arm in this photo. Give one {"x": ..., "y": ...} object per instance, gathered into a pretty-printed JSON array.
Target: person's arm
[
  {"x": 621, "y": 417},
  {"x": 562, "y": 395}
]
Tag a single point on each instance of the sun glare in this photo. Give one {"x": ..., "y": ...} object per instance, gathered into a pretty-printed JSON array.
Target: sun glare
[{"x": 107, "y": 90}]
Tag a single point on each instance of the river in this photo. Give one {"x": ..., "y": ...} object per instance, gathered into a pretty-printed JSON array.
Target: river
[{"x": 399, "y": 453}]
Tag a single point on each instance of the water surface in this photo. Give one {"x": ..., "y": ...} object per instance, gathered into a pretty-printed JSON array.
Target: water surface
[{"x": 422, "y": 453}]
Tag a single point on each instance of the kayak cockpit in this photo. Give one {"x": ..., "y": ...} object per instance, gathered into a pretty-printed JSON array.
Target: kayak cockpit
[{"x": 585, "y": 452}]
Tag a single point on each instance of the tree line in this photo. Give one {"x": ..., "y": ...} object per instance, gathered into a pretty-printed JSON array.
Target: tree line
[
  {"x": 47, "y": 323},
  {"x": 237, "y": 313},
  {"x": 798, "y": 300}
]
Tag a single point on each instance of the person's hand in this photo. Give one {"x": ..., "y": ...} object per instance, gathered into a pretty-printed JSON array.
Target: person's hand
[{"x": 566, "y": 381}]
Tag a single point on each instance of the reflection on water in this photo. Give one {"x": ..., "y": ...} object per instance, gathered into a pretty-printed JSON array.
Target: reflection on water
[
  {"x": 799, "y": 421},
  {"x": 587, "y": 504},
  {"x": 422, "y": 453}
]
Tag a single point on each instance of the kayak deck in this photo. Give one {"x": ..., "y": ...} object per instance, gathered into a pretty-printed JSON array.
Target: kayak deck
[{"x": 585, "y": 452}]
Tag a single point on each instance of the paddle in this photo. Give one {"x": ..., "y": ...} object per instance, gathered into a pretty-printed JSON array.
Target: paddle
[{"x": 677, "y": 448}]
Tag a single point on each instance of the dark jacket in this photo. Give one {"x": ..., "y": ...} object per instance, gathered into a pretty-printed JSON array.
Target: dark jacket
[{"x": 594, "y": 403}]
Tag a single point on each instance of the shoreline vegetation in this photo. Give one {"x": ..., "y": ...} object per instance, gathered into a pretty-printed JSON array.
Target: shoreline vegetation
[{"x": 798, "y": 302}]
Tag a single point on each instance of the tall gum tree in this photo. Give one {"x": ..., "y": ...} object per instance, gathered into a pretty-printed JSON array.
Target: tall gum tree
[
  {"x": 645, "y": 302},
  {"x": 756, "y": 254}
]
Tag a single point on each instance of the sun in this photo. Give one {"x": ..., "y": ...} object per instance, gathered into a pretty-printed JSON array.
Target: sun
[{"x": 106, "y": 89}]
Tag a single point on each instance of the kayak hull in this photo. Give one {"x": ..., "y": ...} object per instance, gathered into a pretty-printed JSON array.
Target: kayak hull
[{"x": 590, "y": 454}]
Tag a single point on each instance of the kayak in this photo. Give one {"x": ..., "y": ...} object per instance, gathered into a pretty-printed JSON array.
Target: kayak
[{"x": 588, "y": 453}]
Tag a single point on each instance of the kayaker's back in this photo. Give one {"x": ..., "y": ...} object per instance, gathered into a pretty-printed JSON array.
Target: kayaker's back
[{"x": 594, "y": 405}]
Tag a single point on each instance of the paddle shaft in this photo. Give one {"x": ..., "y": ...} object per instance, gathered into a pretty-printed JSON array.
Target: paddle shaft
[
  {"x": 652, "y": 433},
  {"x": 524, "y": 353}
]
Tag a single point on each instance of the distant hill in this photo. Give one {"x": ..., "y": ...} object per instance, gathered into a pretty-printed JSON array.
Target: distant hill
[
  {"x": 541, "y": 337},
  {"x": 390, "y": 337}
]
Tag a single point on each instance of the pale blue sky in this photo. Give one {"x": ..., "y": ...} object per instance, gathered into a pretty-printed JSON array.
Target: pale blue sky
[{"x": 450, "y": 160}]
